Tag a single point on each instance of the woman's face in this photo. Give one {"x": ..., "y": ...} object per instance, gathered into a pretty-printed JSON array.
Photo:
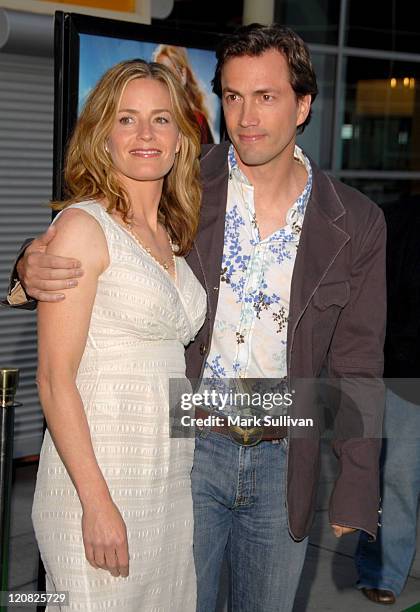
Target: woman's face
[{"x": 145, "y": 137}]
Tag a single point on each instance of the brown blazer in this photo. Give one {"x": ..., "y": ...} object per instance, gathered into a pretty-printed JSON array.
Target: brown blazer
[{"x": 336, "y": 323}]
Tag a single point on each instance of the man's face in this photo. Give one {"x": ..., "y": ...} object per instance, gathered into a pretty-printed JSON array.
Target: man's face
[{"x": 260, "y": 107}]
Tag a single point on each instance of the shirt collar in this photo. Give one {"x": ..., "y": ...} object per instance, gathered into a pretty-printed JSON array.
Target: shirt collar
[{"x": 234, "y": 169}]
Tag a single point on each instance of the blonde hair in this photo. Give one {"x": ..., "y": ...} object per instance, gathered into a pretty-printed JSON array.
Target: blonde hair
[
  {"x": 89, "y": 172},
  {"x": 179, "y": 59}
]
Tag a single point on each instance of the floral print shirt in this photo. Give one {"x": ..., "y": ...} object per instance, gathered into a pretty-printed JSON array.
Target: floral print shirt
[{"x": 250, "y": 330}]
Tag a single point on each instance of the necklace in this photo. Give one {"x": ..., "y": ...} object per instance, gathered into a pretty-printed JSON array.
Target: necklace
[{"x": 166, "y": 264}]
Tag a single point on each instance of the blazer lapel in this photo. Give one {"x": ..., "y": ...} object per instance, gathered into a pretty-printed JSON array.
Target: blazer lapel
[
  {"x": 320, "y": 243},
  {"x": 210, "y": 237}
]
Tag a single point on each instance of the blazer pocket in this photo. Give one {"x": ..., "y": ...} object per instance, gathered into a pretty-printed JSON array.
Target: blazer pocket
[{"x": 332, "y": 294}]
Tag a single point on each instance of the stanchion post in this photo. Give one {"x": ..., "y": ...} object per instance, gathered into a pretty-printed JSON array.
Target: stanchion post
[{"x": 9, "y": 378}]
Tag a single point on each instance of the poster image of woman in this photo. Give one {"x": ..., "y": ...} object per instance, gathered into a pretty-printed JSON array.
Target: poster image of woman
[{"x": 176, "y": 58}]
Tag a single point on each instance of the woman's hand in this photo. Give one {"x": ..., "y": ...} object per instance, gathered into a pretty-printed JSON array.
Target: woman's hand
[{"x": 105, "y": 538}]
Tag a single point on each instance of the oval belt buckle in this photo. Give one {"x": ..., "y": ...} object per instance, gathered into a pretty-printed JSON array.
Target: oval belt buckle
[{"x": 246, "y": 436}]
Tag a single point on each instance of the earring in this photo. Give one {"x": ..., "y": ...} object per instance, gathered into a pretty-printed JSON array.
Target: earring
[{"x": 106, "y": 147}]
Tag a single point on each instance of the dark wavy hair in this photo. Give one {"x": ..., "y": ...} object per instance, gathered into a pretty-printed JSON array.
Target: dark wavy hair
[{"x": 254, "y": 40}]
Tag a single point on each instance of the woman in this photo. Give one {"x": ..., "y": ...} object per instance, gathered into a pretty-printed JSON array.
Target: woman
[
  {"x": 112, "y": 509},
  {"x": 176, "y": 59}
]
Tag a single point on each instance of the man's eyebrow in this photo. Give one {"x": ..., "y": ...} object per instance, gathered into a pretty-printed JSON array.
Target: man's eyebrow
[
  {"x": 265, "y": 90},
  {"x": 231, "y": 90},
  {"x": 261, "y": 90}
]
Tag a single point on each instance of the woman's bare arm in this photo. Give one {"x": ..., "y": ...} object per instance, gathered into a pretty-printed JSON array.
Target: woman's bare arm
[{"x": 62, "y": 334}]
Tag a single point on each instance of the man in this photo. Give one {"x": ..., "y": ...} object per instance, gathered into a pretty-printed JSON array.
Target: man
[
  {"x": 293, "y": 262},
  {"x": 383, "y": 566}
]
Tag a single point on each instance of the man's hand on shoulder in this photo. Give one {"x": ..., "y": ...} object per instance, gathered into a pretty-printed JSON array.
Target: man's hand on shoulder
[
  {"x": 339, "y": 530},
  {"x": 43, "y": 276}
]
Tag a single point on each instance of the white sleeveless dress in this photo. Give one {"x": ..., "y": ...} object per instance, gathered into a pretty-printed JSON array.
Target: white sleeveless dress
[{"x": 141, "y": 322}]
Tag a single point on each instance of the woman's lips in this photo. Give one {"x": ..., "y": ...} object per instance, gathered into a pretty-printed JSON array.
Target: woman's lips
[{"x": 145, "y": 153}]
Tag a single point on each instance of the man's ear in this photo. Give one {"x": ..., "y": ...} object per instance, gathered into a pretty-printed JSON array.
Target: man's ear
[{"x": 304, "y": 106}]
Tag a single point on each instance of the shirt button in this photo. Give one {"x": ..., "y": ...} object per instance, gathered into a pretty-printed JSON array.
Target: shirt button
[
  {"x": 203, "y": 349},
  {"x": 215, "y": 288}
]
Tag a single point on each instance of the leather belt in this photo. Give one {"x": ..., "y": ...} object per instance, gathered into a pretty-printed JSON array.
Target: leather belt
[{"x": 245, "y": 436}]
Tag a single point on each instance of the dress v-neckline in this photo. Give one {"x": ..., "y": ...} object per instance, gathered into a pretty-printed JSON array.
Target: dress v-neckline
[
  {"x": 181, "y": 267},
  {"x": 167, "y": 274}
]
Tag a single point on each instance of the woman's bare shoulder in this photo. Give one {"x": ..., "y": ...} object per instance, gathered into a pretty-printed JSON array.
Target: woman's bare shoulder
[{"x": 79, "y": 235}]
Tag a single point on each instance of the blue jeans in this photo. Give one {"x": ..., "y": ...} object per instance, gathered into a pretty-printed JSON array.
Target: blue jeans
[
  {"x": 385, "y": 564},
  {"x": 239, "y": 507}
]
